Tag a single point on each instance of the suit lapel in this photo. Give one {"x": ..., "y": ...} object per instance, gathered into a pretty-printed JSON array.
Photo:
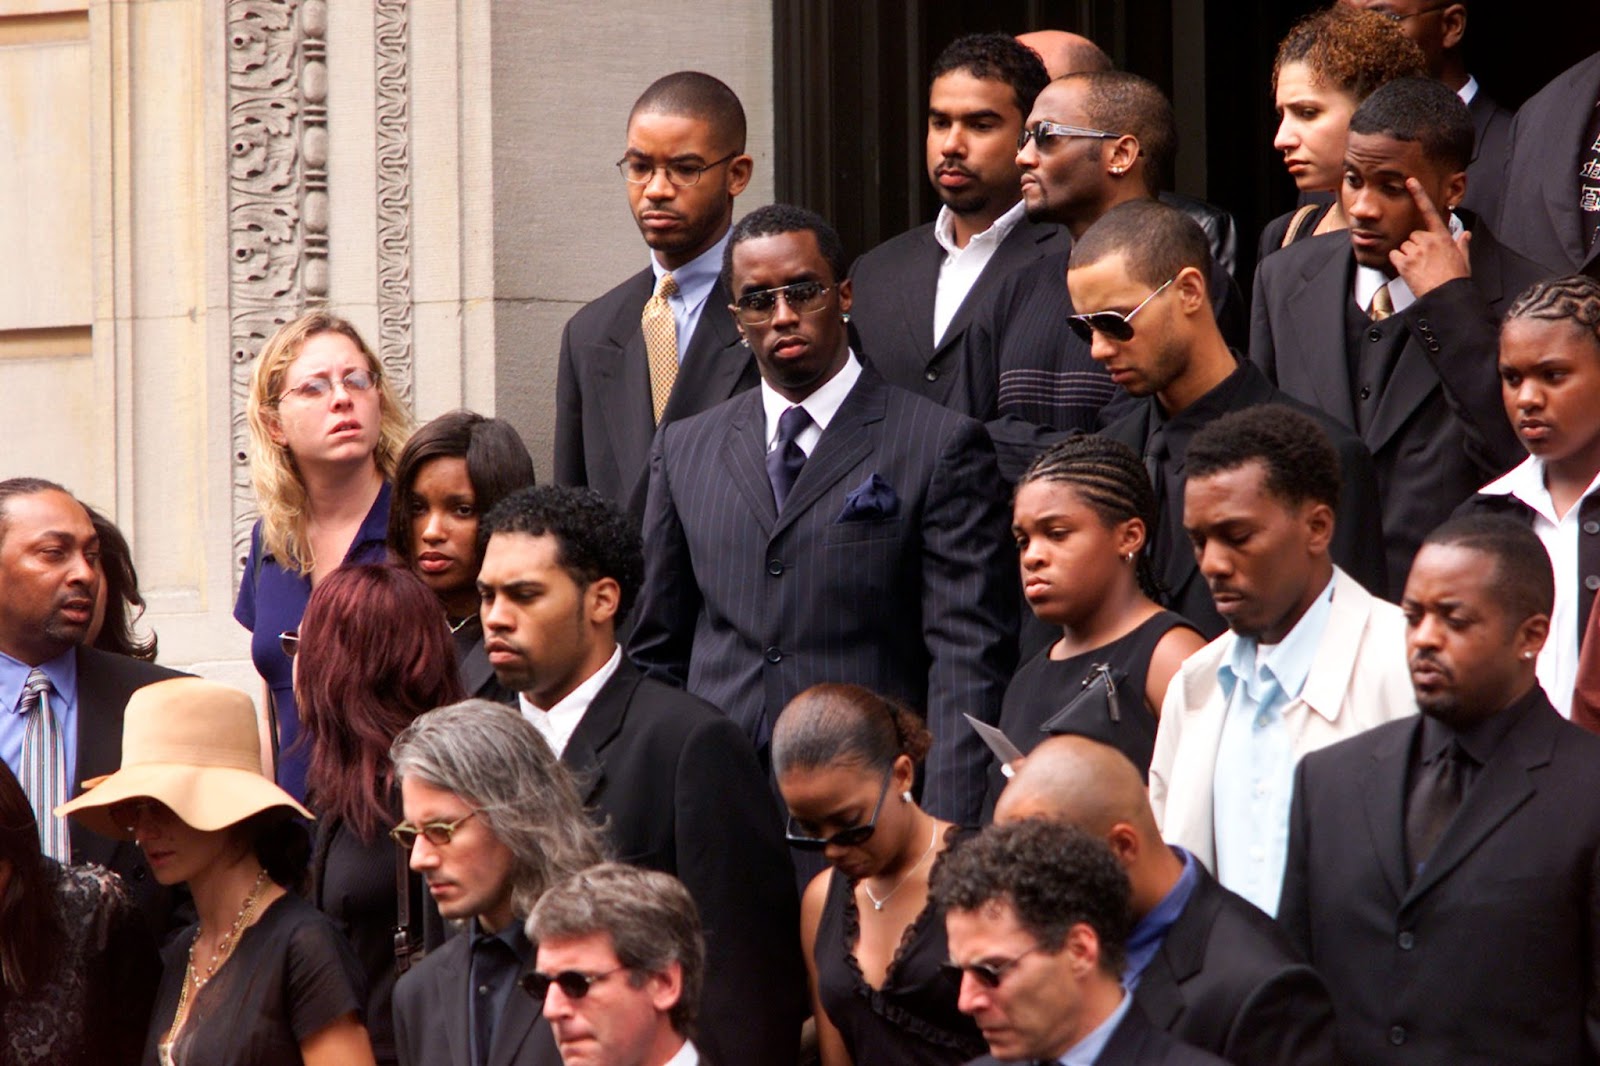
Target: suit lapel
[
  {"x": 600, "y": 724},
  {"x": 713, "y": 364},
  {"x": 1316, "y": 316},
  {"x": 845, "y": 442},
  {"x": 1384, "y": 797},
  {"x": 919, "y": 288},
  {"x": 624, "y": 365},
  {"x": 1026, "y": 243},
  {"x": 475, "y": 668},
  {"x": 1502, "y": 786},
  {"x": 745, "y": 457},
  {"x": 515, "y": 1024},
  {"x": 454, "y": 996},
  {"x": 1181, "y": 956}
]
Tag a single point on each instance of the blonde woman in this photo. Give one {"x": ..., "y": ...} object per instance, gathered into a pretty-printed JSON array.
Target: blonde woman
[{"x": 325, "y": 431}]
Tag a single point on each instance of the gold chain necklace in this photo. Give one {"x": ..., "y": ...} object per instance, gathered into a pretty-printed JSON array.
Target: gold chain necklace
[{"x": 225, "y": 947}]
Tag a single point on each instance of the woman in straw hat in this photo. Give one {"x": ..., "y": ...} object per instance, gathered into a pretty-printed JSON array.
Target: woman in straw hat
[{"x": 263, "y": 977}]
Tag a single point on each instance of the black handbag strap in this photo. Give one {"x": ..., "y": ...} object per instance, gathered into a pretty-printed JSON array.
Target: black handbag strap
[{"x": 407, "y": 951}]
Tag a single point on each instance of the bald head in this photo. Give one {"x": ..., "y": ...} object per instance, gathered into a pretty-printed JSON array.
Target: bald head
[
  {"x": 1081, "y": 782},
  {"x": 1066, "y": 53}
]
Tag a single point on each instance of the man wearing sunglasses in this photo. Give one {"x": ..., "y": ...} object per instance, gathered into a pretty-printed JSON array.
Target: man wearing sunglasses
[
  {"x": 1139, "y": 273},
  {"x": 916, "y": 293},
  {"x": 619, "y": 969},
  {"x": 658, "y": 347},
  {"x": 1037, "y": 919}
]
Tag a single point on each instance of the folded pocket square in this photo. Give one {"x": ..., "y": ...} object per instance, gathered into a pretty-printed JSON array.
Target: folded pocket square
[{"x": 873, "y": 498}]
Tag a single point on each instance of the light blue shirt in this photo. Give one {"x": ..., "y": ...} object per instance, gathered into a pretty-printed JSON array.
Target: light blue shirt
[
  {"x": 1255, "y": 757},
  {"x": 695, "y": 280},
  {"x": 1086, "y": 1052},
  {"x": 63, "y": 674}
]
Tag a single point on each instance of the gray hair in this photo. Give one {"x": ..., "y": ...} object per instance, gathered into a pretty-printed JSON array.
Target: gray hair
[
  {"x": 491, "y": 757},
  {"x": 650, "y": 917}
]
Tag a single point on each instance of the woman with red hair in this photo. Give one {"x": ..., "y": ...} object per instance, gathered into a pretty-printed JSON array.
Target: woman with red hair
[{"x": 372, "y": 653}]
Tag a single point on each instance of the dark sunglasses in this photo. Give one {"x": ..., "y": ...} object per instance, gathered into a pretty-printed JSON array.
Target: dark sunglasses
[
  {"x": 1114, "y": 324},
  {"x": 574, "y": 984},
  {"x": 844, "y": 838},
  {"x": 289, "y": 641},
  {"x": 987, "y": 974},
  {"x": 803, "y": 298}
]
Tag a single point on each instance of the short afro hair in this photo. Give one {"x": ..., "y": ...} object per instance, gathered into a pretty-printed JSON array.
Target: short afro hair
[
  {"x": 775, "y": 219},
  {"x": 1350, "y": 49},
  {"x": 1124, "y": 103},
  {"x": 1300, "y": 461},
  {"x": 700, "y": 96},
  {"x": 1523, "y": 582},
  {"x": 1156, "y": 242},
  {"x": 995, "y": 57},
  {"x": 1421, "y": 110},
  {"x": 595, "y": 539},
  {"x": 1054, "y": 876}
]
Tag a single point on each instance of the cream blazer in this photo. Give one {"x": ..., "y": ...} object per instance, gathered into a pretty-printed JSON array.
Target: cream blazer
[{"x": 1359, "y": 680}]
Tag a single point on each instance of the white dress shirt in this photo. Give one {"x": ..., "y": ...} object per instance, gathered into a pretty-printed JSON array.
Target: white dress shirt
[
  {"x": 559, "y": 723},
  {"x": 1558, "y": 662},
  {"x": 960, "y": 268},
  {"x": 688, "y": 1055},
  {"x": 1370, "y": 279},
  {"x": 821, "y": 405}
]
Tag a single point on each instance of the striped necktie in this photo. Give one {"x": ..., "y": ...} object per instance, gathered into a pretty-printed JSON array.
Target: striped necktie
[
  {"x": 44, "y": 765},
  {"x": 661, "y": 343}
]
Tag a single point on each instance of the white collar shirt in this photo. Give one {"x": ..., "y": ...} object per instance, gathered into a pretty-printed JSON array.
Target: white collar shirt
[
  {"x": 559, "y": 723},
  {"x": 960, "y": 268},
  {"x": 821, "y": 405}
]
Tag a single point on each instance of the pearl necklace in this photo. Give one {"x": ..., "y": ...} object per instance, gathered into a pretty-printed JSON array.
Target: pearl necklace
[
  {"x": 230, "y": 940},
  {"x": 877, "y": 904}
]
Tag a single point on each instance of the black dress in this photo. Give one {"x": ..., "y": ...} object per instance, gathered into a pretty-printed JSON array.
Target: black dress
[
  {"x": 913, "y": 1018},
  {"x": 291, "y": 976},
  {"x": 1043, "y": 686}
]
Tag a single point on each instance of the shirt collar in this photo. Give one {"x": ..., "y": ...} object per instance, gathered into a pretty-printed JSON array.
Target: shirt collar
[
  {"x": 1480, "y": 739},
  {"x": 1178, "y": 428},
  {"x": 375, "y": 526},
  {"x": 62, "y": 672},
  {"x": 1469, "y": 90},
  {"x": 696, "y": 277},
  {"x": 1290, "y": 662},
  {"x": 1086, "y": 1051},
  {"x": 1370, "y": 279},
  {"x": 512, "y": 936},
  {"x": 944, "y": 229},
  {"x": 1526, "y": 482},
  {"x": 688, "y": 1055},
  {"x": 1150, "y": 930},
  {"x": 823, "y": 403},
  {"x": 576, "y": 702}
]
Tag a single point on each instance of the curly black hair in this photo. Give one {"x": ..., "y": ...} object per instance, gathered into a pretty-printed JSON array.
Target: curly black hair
[
  {"x": 1053, "y": 875},
  {"x": 995, "y": 57},
  {"x": 774, "y": 219},
  {"x": 596, "y": 539},
  {"x": 1300, "y": 461}
]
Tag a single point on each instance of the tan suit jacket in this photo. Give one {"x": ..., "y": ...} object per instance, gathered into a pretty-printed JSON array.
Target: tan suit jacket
[{"x": 1359, "y": 680}]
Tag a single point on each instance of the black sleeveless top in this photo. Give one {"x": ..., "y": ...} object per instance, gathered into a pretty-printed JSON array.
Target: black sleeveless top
[{"x": 913, "y": 1018}]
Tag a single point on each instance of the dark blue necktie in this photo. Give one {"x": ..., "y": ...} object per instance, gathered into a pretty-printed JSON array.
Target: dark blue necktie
[{"x": 784, "y": 461}]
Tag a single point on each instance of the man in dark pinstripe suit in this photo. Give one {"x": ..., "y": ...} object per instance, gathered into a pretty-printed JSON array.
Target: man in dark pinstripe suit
[{"x": 885, "y": 564}]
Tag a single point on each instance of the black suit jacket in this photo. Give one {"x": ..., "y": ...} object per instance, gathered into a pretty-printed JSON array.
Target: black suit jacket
[
  {"x": 1490, "y": 955},
  {"x": 677, "y": 788},
  {"x": 432, "y": 1027},
  {"x": 105, "y": 681},
  {"x": 1226, "y": 979},
  {"x": 1491, "y": 147},
  {"x": 1135, "y": 1042},
  {"x": 894, "y": 289},
  {"x": 1356, "y": 546},
  {"x": 916, "y": 599},
  {"x": 1439, "y": 430},
  {"x": 604, "y": 420},
  {"x": 1539, "y": 213}
]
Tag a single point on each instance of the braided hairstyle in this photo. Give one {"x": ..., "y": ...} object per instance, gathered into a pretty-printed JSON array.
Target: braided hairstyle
[
  {"x": 1111, "y": 479},
  {"x": 1575, "y": 297}
]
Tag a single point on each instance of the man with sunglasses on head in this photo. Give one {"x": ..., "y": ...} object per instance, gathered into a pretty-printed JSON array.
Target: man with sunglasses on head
[
  {"x": 1037, "y": 917},
  {"x": 1138, "y": 278},
  {"x": 672, "y": 782},
  {"x": 827, "y": 526},
  {"x": 658, "y": 347},
  {"x": 619, "y": 969}
]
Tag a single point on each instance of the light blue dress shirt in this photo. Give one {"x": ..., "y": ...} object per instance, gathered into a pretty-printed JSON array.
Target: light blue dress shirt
[
  {"x": 63, "y": 674},
  {"x": 695, "y": 279},
  {"x": 1086, "y": 1052},
  {"x": 1255, "y": 757}
]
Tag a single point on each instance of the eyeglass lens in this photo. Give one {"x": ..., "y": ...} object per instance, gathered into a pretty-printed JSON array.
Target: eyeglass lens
[{"x": 803, "y": 297}]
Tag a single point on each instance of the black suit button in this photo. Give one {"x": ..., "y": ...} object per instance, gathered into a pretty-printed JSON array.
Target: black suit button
[
  {"x": 1433, "y": 345},
  {"x": 774, "y": 567},
  {"x": 1422, "y": 324},
  {"x": 1407, "y": 941},
  {"x": 1366, "y": 392},
  {"x": 1374, "y": 335},
  {"x": 1397, "y": 1035},
  {"x": 1591, "y": 582},
  {"x": 1591, "y": 527},
  {"x": 774, "y": 655},
  {"x": 931, "y": 375}
]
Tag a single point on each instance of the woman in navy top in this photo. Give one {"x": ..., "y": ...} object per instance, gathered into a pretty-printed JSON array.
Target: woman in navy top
[{"x": 325, "y": 430}]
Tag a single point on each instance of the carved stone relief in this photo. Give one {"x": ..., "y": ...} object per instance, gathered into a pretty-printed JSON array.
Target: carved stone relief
[{"x": 391, "y": 19}]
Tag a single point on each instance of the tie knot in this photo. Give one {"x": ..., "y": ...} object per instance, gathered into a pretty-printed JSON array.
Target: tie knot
[
  {"x": 33, "y": 688},
  {"x": 667, "y": 287},
  {"x": 1382, "y": 305},
  {"x": 792, "y": 423}
]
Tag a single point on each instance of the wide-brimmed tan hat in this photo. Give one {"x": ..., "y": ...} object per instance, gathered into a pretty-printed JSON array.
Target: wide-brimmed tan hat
[{"x": 192, "y": 745}]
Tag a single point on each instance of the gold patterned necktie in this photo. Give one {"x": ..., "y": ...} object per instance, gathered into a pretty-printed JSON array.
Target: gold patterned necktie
[
  {"x": 661, "y": 343},
  {"x": 1382, "y": 306}
]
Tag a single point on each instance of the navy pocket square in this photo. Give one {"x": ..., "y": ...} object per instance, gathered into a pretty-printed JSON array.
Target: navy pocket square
[{"x": 873, "y": 498}]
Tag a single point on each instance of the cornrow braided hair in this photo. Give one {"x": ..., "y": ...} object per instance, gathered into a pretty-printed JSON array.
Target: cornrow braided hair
[
  {"x": 1575, "y": 297},
  {"x": 1112, "y": 480}
]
